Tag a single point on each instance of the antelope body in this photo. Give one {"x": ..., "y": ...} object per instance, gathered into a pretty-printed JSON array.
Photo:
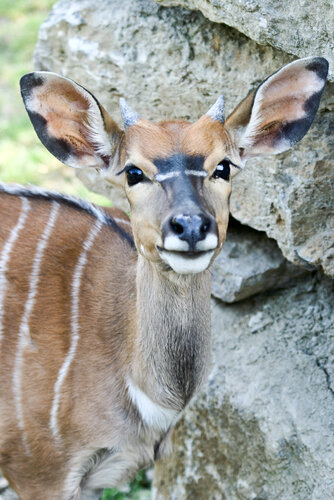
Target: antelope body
[{"x": 105, "y": 325}]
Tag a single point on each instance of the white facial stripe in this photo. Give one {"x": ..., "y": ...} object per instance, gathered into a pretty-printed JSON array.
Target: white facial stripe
[
  {"x": 152, "y": 413},
  {"x": 169, "y": 175},
  {"x": 79, "y": 268},
  {"x": 197, "y": 173},
  {"x": 177, "y": 173},
  {"x": 187, "y": 265},
  {"x": 209, "y": 243},
  {"x": 24, "y": 338},
  {"x": 5, "y": 255}
]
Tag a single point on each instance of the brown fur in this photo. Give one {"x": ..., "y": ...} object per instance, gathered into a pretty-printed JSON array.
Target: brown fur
[{"x": 50, "y": 330}]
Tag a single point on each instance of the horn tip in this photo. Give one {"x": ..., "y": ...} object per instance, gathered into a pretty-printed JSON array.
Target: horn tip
[
  {"x": 129, "y": 116},
  {"x": 216, "y": 112}
]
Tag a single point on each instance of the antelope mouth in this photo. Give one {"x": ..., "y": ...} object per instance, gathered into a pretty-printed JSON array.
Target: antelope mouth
[{"x": 186, "y": 262}]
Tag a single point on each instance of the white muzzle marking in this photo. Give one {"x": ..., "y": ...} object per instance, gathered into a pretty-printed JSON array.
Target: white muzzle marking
[
  {"x": 174, "y": 244},
  {"x": 209, "y": 243},
  {"x": 188, "y": 264}
]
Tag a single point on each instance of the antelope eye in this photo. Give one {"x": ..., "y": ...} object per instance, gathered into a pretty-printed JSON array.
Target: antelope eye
[
  {"x": 134, "y": 175},
  {"x": 222, "y": 170}
]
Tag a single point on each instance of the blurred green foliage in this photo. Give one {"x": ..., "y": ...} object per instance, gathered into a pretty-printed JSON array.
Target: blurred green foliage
[
  {"x": 138, "y": 489},
  {"x": 23, "y": 159}
]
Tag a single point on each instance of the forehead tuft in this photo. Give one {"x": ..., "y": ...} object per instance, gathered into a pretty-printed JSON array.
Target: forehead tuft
[
  {"x": 152, "y": 140},
  {"x": 176, "y": 137},
  {"x": 203, "y": 137}
]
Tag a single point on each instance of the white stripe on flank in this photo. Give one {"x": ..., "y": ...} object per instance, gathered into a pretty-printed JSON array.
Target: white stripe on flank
[
  {"x": 16, "y": 189},
  {"x": 198, "y": 173},
  {"x": 78, "y": 271},
  {"x": 5, "y": 255},
  {"x": 121, "y": 221},
  {"x": 24, "y": 333}
]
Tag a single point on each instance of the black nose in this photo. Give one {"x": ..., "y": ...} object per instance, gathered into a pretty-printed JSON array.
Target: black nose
[{"x": 190, "y": 228}]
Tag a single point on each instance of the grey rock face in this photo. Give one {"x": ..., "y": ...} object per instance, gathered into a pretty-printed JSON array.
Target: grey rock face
[
  {"x": 263, "y": 425},
  {"x": 250, "y": 263},
  {"x": 300, "y": 28},
  {"x": 291, "y": 198},
  {"x": 6, "y": 493},
  {"x": 173, "y": 63}
]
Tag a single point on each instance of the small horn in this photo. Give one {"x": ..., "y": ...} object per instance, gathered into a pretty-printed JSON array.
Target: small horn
[
  {"x": 216, "y": 112},
  {"x": 129, "y": 116}
]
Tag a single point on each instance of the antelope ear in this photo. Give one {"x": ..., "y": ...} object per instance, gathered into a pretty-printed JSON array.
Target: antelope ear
[
  {"x": 280, "y": 111},
  {"x": 70, "y": 122}
]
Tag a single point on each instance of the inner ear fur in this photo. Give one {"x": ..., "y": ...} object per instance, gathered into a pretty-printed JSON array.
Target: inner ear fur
[
  {"x": 70, "y": 122},
  {"x": 275, "y": 116}
]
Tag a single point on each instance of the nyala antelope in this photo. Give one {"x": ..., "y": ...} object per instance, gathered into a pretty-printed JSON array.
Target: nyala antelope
[{"x": 105, "y": 323}]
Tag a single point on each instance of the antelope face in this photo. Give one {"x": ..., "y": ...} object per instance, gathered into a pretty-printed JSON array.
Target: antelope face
[
  {"x": 176, "y": 175},
  {"x": 178, "y": 183}
]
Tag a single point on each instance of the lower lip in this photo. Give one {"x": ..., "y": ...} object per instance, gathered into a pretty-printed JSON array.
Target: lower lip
[{"x": 187, "y": 262}]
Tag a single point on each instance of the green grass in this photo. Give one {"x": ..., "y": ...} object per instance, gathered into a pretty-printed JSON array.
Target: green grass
[
  {"x": 138, "y": 489},
  {"x": 22, "y": 158}
]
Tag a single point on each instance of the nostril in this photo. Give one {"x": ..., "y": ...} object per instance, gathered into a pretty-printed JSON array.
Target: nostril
[
  {"x": 190, "y": 227},
  {"x": 176, "y": 226},
  {"x": 205, "y": 226}
]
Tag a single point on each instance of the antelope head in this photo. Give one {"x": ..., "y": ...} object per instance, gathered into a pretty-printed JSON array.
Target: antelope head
[{"x": 176, "y": 175}]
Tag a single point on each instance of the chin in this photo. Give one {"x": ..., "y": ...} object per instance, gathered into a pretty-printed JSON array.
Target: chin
[{"x": 187, "y": 263}]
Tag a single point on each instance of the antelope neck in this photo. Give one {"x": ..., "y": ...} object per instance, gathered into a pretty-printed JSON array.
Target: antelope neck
[{"x": 173, "y": 336}]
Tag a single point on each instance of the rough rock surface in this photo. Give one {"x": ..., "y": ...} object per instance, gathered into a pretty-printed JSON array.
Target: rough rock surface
[
  {"x": 250, "y": 263},
  {"x": 263, "y": 426},
  {"x": 300, "y": 28},
  {"x": 6, "y": 493},
  {"x": 174, "y": 63}
]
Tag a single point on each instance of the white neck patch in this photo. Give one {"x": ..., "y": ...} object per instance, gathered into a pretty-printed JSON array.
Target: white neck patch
[{"x": 152, "y": 413}]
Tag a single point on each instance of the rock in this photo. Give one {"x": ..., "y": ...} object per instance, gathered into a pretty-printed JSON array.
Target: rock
[
  {"x": 6, "y": 493},
  {"x": 292, "y": 199},
  {"x": 3, "y": 483},
  {"x": 174, "y": 63},
  {"x": 300, "y": 28},
  {"x": 263, "y": 425},
  {"x": 9, "y": 494},
  {"x": 250, "y": 263}
]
